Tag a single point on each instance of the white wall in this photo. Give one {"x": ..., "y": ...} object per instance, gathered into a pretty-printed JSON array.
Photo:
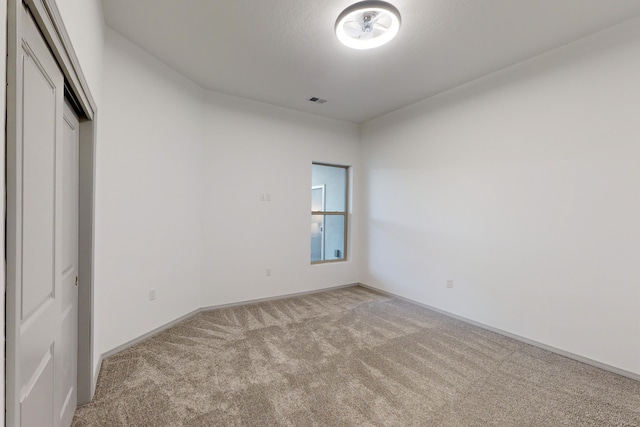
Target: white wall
[
  {"x": 148, "y": 196},
  {"x": 523, "y": 188},
  {"x": 251, "y": 148},
  {"x": 179, "y": 175}
]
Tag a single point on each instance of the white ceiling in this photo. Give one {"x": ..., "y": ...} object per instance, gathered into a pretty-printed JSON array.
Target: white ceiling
[{"x": 283, "y": 52}]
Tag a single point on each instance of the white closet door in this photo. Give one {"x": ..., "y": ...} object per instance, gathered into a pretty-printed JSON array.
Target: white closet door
[
  {"x": 43, "y": 337},
  {"x": 66, "y": 367}
]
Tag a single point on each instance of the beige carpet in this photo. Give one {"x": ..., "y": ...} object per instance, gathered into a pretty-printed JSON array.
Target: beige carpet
[{"x": 349, "y": 357}]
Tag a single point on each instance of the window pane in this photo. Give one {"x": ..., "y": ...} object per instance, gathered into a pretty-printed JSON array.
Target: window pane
[
  {"x": 333, "y": 237},
  {"x": 327, "y": 237},
  {"x": 329, "y": 187},
  {"x": 317, "y": 198},
  {"x": 317, "y": 238}
]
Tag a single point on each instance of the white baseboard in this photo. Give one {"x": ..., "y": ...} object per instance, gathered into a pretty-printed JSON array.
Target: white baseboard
[
  {"x": 279, "y": 297},
  {"x": 145, "y": 336},
  {"x": 543, "y": 346},
  {"x": 168, "y": 325}
]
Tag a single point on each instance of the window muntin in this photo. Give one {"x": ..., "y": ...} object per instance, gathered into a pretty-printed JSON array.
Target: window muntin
[{"x": 329, "y": 206}]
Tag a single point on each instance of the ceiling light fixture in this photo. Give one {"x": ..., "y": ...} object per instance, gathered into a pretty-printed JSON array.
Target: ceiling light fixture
[{"x": 368, "y": 24}]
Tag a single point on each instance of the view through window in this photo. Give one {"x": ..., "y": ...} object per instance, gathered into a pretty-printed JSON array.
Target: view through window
[{"x": 329, "y": 197}]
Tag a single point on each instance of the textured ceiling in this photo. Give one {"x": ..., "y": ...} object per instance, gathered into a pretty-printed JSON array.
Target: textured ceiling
[{"x": 283, "y": 52}]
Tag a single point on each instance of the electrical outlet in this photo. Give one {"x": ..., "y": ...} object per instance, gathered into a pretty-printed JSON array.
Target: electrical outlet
[
  {"x": 449, "y": 283},
  {"x": 268, "y": 271},
  {"x": 152, "y": 294}
]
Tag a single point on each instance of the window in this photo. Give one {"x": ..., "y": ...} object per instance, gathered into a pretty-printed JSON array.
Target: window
[{"x": 329, "y": 198}]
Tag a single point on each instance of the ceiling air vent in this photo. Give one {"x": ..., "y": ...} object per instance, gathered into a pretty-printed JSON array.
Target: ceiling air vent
[{"x": 317, "y": 100}]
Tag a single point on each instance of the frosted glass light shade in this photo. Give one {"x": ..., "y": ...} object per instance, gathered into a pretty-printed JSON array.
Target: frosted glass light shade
[{"x": 368, "y": 24}]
